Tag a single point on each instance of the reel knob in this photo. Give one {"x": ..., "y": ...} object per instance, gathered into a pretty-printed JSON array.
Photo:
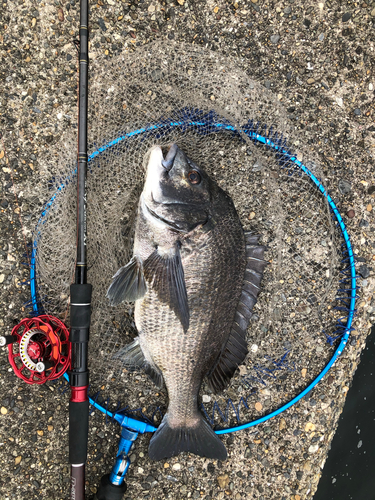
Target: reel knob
[{"x": 40, "y": 367}]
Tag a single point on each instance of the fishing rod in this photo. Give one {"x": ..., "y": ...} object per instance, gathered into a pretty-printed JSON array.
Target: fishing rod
[
  {"x": 112, "y": 486},
  {"x": 80, "y": 291},
  {"x": 41, "y": 348}
]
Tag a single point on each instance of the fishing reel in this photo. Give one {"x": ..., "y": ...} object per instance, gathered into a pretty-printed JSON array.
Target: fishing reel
[{"x": 38, "y": 349}]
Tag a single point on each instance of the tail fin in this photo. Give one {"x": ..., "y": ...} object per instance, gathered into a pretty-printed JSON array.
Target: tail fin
[{"x": 200, "y": 440}]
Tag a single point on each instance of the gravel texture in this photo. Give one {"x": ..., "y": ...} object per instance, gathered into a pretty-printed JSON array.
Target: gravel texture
[{"x": 319, "y": 59}]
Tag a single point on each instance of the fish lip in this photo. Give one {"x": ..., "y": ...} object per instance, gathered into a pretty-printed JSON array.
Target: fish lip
[{"x": 167, "y": 162}]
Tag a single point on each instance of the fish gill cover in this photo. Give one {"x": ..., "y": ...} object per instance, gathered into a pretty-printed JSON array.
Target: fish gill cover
[{"x": 239, "y": 132}]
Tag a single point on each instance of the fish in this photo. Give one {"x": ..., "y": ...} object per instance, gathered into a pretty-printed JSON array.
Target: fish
[{"x": 194, "y": 276}]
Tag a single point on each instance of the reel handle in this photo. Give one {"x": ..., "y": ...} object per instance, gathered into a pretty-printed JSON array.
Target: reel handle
[{"x": 8, "y": 339}]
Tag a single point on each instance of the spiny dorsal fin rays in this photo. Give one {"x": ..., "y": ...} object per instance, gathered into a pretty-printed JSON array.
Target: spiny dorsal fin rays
[
  {"x": 255, "y": 251},
  {"x": 251, "y": 238},
  {"x": 235, "y": 349},
  {"x": 166, "y": 276}
]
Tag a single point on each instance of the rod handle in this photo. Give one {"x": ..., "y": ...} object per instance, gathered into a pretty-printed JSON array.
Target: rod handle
[{"x": 78, "y": 431}]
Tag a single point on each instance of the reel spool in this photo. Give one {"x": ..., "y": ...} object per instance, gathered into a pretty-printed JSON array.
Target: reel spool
[{"x": 39, "y": 349}]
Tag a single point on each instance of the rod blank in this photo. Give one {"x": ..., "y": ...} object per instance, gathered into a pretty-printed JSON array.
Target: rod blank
[{"x": 80, "y": 292}]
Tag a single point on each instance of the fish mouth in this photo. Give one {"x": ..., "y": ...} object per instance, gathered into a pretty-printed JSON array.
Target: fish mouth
[{"x": 155, "y": 194}]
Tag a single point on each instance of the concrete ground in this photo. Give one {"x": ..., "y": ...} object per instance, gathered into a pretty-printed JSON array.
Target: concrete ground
[{"x": 319, "y": 58}]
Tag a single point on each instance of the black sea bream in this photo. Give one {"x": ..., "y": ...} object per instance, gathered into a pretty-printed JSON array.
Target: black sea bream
[{"x": 194, "y": 277}]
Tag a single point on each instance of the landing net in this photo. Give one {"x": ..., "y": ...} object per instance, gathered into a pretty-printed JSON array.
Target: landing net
[{"x": 239, "y": 132}]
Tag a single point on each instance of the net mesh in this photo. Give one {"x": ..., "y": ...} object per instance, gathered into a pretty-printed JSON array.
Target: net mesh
[{"x": 212, "y": 110}]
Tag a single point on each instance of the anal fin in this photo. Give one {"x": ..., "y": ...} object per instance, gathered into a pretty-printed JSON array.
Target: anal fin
[{"x": 132, "y": 357}]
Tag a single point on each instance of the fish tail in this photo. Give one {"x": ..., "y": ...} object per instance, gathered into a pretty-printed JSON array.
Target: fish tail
[{"x": 200, "y": 440}]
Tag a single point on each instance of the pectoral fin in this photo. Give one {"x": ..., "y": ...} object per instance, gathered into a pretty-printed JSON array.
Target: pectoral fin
[
  {"x": 166, "y": 276},
  {"x": 128, "y": 283}
]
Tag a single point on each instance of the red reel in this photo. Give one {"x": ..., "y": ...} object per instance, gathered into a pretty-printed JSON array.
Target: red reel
[{"x": 40, "y": 350}]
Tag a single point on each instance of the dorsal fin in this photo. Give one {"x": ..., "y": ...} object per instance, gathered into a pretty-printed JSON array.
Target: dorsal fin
[{"x": 235, "y": 349}]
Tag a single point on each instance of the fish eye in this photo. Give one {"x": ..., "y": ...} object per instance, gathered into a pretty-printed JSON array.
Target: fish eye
[{"x": 194, "y": 177}]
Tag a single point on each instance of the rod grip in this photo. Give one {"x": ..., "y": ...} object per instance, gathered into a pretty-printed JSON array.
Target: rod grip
[
  {"x": 80, "y": 305},
  {"x": 78, "y": 431}
]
